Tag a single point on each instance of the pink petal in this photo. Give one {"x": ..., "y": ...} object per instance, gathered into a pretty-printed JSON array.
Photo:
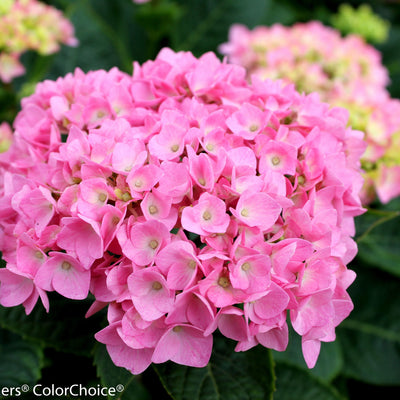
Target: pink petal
[{"x": 184, "y": 344}]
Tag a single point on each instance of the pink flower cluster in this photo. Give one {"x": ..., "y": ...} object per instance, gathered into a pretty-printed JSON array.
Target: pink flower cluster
[
  {"x": 346, "y": 72},
  {"x": 186, "y": 200},
  {"x": 29, "y": 25}
]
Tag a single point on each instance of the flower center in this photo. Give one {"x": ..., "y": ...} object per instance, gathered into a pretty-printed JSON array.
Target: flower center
[
  {"x": 244, "y": 212},
  {"x": 275, "y": 160},
  {"x": 126, "y": 196},
  {"x": 202, "y": 181},
  {"x": 207, "y": 215},
  {"x": 177, "y": 328},
  {"x": 100, "y": 114},
  {"x": 192, "y": 264},
  {"x": 66, "y": 265},
  {"x": 174, "y": 148},
  {"x": 138, "y": 183},
  {"x": 253, "y": 128},
  {"x": 156, "y": 285},
  {"x": 153, "y": 244},
  {"x": 102, "y": 197},
  {"x": 301, "y": 179},
  {"x": 210, "y": 147},
  {"x": 153, "y": 209},
  {"x": 223, "y": 281},
  {"x": 245, "y": 266}
]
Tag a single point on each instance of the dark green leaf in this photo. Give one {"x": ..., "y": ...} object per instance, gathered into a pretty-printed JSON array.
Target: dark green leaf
[
  {"x": 329, "y": 364},
  {"x": 63, "y": 328},
  {"x": 228, "y": 376},
  {"x": 205, "y": 23},
  {"x": 370, "y": 337},
  {"x": 112, "y": 376},
  {"x": 379, "y": 237},
  {"x": 21, "y": 361},
  {"x": 295, "y": 384}
]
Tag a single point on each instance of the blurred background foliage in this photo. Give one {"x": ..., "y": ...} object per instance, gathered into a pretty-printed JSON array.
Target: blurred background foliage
[{"x": 59, "y": 348}]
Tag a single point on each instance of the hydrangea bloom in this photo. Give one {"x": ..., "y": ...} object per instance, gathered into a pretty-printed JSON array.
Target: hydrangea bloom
[
  {"x": 29, "y": 25},
  {"x": 345, "y": 72},
  {"x": 186, "y": 200}
]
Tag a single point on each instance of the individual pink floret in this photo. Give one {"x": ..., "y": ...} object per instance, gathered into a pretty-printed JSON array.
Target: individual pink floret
[
  {"x": 65, "y": 275},
  {"x": 257, "y": 210},
  {"x": 150, "y": 293},
  {"x": 206, "y": 217}
]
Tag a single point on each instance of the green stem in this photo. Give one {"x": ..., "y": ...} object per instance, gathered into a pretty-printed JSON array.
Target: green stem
[{"x": 389, "y": 215}]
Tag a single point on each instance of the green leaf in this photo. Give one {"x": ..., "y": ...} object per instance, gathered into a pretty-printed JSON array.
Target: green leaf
[
  {"x": 295, "y": 384},
  {"x": 112, "y": 376},
  {"x": 21, "y": 361},
  {"x": 108, "y": 37},
  {"x": 205, "y": 23},
  {"x": 370, "y": 337},
  {"x": 63, "y": 328},
  {"x": 228, "y": 376},
  {"x": 379, "y": 237},
  {"x": 329, "y": 364}
]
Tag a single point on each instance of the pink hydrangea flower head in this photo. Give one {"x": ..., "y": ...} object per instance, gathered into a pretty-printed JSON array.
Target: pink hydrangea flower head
[
  {"x": 48, "y": 28},
  {"x": 185, "y": 200},
  {"x": 346, "y": 72}
]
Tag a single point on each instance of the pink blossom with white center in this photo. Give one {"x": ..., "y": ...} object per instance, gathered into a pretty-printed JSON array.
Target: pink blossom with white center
[
  {"x": 267, "y": 305},
  {"x": 127, "y": 156},
  {"x": 65, "y": 275},
  {"x": 201, "y": 169},
  {"x": 150, "y": 293},
  {"x": 206, "y": 217},
  {"x": 143, "y": 241},
  {"x": 257, "y": 210},
  {"x": 192, "y": 308},
  {"x": 94, "y": 194},
  {"x": 217, "y": 288},
  {"x": 29, "y": 257},
  {"x": 248, "y": 122},
  {"x": 36, "y": 205},
  {"x": 82, "y": 238},
  {"x": 143, "y": 178},
  {"x": 250, "y": 273},
  {"x": 175, "y": 182},
  {"x": 178, "y": 261},
  {"x": 158, "y": 207},
  {"x": 138, "y": 333},
  {"x": 279, "y": 157},
  {"x": 184, "y": 344},
  {"x": 168, "y": 144},
  {"x": 17, "y": 289}
]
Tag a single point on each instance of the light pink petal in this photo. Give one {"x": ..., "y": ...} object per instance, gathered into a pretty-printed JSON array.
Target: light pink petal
[
  {"x": 14, "y": 289},
  {"x": 275, "y": 338},
  {"x": 184, "y": 344},
  {"x": 150, "y": 294},
  {"x": 311, "y": 349},
  {"x": 257, "y": 210}
]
